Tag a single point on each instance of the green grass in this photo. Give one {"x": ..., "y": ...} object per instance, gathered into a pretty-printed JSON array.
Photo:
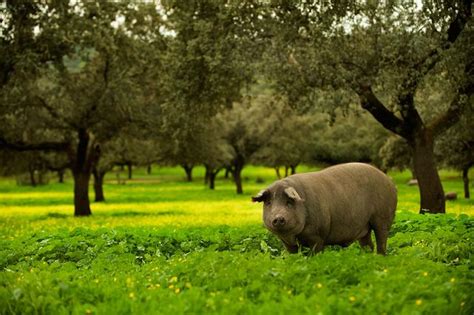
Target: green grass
[{"x": 162, "y": 245}]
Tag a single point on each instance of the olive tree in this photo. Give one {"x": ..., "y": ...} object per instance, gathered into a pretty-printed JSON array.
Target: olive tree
[
  {"x": 385, "y": 56},
  {"x": 89, "y": 92}
]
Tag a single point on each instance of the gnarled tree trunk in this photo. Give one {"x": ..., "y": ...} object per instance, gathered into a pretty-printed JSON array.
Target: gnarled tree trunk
[
  {"x": 431, "y": 191},
  {"x": 211, "y": 174},
  {"x": 31, "y": 172},
  {"x": 237, "y": 167},
  {"x": 82, "y": 161},
  {"x": 99, "y": 185},
  {"x": 212, "y": 180},
  {"x": 81, "y": 193},
  {"x": 61, "y": 176},
  {"x": 465, "y": 179},
  {"x": 189, "y": 172},
  {"x": 130, "y": 170},
  {"x": 293, "y": 169},
  {"x": 277, "y": 172}
]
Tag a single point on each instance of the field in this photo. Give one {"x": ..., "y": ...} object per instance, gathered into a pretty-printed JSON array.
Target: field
[{"x": 165, "y": 246}]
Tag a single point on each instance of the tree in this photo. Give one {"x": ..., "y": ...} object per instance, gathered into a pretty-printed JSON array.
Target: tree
[
  {"x": 28, "y": 167},
  {"x": 181, "y": 142},
  {"x": 289, "y": 145},
  {"x": 84, "y": 97},
  {"x": 387, "y": 55},
  {"x": 206, "y": 68},
  {"x": 248, "y": 125}
]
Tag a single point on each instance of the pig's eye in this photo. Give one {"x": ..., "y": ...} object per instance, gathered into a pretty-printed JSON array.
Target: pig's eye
[
  {"x": 290, "y": 203},
  {"x": 268, "y": 202}
]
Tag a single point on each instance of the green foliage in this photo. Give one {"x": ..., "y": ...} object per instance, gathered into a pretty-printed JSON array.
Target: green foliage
[
  {"x": 396, "y": 154},
  {"x": 176, "y": 247},
  {"x": 455, "y": 148},
  {"x": 222, "y": 269},
  {"x": 351, "y": 136}
]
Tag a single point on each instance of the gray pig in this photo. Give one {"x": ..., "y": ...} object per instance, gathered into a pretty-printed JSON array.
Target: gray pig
[{"x": 335, "y": 206}]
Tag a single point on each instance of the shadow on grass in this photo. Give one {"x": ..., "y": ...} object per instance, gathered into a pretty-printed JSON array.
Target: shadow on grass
[
  {"x": 55, "y": 215},
  {"x": 139, "y": 214}
]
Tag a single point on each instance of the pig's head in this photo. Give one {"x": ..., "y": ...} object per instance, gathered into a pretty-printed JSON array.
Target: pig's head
[{"x": 283, "y": 209}]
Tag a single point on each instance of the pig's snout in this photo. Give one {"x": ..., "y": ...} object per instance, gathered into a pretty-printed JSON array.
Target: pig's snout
[{"x": 279, "y": 222}]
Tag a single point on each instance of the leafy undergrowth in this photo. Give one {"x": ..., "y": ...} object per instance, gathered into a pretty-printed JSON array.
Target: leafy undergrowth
[{"x": 225, "y": 269}]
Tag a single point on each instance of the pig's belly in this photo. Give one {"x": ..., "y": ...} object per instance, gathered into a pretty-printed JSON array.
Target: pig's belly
[{"x": 344, "y": 237}]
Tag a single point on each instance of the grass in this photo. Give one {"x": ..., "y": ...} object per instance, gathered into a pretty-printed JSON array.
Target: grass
[{"x": 163, "y": 245}]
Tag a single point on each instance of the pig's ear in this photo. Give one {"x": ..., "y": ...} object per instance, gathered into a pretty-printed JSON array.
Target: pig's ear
[
  {"x": 292, "y": 193},
  {"x": 261, "y": 196}
]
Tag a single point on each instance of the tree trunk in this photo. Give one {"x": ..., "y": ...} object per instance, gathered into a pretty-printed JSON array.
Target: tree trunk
[
  {"x": 189, "y": 172},
  {"x": 277, "y": 171},
  {"x": 83, "y": 160},
  {"x": 212, "y": 180},
  {"x": 31, "y": 171},
  {"x": 237, "y": 174},
  {"x": 41, "y": 180},
  {"x": 465, "y": 179},
  {"x": 227, "y": 172},
  {"x": 130, "y": 170},
  {"x": 293, "y": 169},
  {"x": 99, "y": 185},
  {"x": 238, "y": 166},
  {"x": 148, "y": 170},
  {"x": 286, "y": 171},
  {"x": 61, "y": 176},
  {"x": 207, "y": 176},
  {"x": 429, "y": 183},
  {"x": 81, "y": 194}
]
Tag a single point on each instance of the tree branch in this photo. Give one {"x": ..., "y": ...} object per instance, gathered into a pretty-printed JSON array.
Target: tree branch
[
  {"x": 88, "y": 118},
  {"x": 371, "y": 103},
  {"x": 54, "y": 114},
  {"x": 426, "y": 64},
  {"x": 42, "y": 146},
  {"x": 452, "y": 115}
]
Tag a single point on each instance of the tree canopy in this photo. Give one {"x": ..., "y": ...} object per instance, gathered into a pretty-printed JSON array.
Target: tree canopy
[{"x": 227, "y": 83}]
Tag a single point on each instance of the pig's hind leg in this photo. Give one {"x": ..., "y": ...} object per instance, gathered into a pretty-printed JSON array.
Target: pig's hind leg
[
  {"x": 366, "y": 241},
  {"x": 381, "y": 236}
]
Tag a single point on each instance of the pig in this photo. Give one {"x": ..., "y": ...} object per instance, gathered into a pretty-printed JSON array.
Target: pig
[{"x": 335, "y": 206}]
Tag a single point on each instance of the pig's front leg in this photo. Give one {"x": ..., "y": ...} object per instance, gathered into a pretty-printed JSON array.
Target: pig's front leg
[
  {"x": 291, "y": 244},
  {"x": 316, "y": 244}
]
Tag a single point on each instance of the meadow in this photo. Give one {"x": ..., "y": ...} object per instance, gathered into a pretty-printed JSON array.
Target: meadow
[{"x": 162, "y": 245}]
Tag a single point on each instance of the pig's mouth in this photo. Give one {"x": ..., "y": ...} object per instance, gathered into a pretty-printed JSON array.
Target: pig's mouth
[{"x": 290, "y": 228}]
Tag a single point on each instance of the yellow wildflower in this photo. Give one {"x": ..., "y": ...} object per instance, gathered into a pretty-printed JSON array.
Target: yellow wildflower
[{"x": 173, "y": 279}]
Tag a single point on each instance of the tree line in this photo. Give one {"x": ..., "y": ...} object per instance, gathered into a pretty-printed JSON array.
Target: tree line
[{"x": 88, "y": 85}]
